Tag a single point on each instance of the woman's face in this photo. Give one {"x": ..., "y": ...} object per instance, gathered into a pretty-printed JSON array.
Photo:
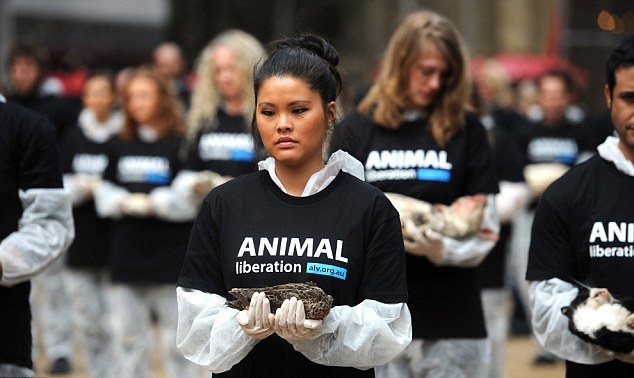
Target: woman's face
[
  {"x": 143, "y": 100},
  {"x": 99, "y": 96},
  {"x": 226, "y": 75},
  {"x": 292, "y": 121},
  {"x": 426, "y": 77}
]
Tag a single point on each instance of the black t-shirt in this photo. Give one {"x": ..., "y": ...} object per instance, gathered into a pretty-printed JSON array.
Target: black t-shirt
[
  {"x": 444, "y": 301},
  {"x": 584, "y": 229},
  {"x": 509, "y": 163},
  {"x": 93, "y": 234},
  {"x": 227, "y": 150},
  {"x": 346, "y": 238},
  {"x": 146, "y": 250},
  {"x": 29, "y": 159},
  {"x": 54, "y": 108}
]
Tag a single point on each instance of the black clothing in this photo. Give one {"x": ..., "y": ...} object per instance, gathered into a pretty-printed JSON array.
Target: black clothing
[
  {"x": 146, "y": 250},
  {"x": 93, "y": 234},
  {"x": 408, "y": 161},
  {"x": 29, "y": 159},
  {"x": 346, "y": 238}
]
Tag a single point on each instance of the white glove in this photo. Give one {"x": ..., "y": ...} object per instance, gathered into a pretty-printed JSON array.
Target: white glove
[
  {"x": 428, "y": 243},
  {"x": 257, "y": 321},
  {"x": 137, "y": 205},
  {"x": 291, "y": 322}
]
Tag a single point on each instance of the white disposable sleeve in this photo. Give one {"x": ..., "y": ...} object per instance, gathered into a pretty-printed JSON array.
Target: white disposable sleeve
[
  {"x": 470, "y": 251},
  {"x": 511, "y": 200},
  {"x": 550, "y": 325},
  {"x": 108, "y": 197},
  {"x": 45, "y": 230},
  {"x": 366, "y": 335},
  {"x": 77, "y": 196},
  {"x": 171, "y": 203},
  {"x": 208, "y": 333}
]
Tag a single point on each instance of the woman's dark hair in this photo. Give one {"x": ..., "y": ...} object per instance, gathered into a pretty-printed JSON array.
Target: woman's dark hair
[
  {"x": 307, "y": 57},
  {"x": 622, "y": 56}
]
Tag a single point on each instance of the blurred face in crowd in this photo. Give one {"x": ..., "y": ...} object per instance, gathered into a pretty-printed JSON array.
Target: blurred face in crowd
[
  {"x": 168, "y": 61},
  {"x": 142, "y": 100},
  {"x": 553, "y": 98},
  {"x": 99, "y": 96},
  {"x": 226, "y": 75},
  {"x": 621, "y": 104},
  {"x": 292, "y": 122},
  {"x": 426, "y": 77},
  {"x": 25, "y": 74}
]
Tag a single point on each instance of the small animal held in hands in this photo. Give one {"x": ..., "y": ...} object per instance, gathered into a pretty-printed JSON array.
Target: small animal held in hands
[
  {"x": 462, "y": 218},
  {"x": 316, "y": 302},
  {"x": 598, "y": 318}
]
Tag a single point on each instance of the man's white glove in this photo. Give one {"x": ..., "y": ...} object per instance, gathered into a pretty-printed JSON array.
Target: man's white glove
[
  {"x": 137, "y": 205},
  {"x": 428, "y": 243},
  {"x": 257, "y": 321},
  {"x": 291, "y": 322}
]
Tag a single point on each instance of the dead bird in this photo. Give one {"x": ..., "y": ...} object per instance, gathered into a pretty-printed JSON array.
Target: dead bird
[{"x": 316, "y": 302}]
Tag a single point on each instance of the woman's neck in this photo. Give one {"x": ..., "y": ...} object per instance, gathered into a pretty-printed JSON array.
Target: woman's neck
[
  {"x": 295, "y": 179},
  {"x": 233, "y": 106}
]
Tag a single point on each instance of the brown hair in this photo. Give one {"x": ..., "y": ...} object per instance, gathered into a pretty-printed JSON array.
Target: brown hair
[
  {"x": 388, "y": 97},
  {"x": 169, "y": 121}
]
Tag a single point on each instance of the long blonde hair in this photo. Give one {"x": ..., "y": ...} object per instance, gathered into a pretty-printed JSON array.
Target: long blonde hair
[
  {"x": 388, "y": 97},
  {"x": 205, "y": 97}
]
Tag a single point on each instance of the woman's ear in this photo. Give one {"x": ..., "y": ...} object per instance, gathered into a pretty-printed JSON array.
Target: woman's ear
[{"x": 331, "y": 112}]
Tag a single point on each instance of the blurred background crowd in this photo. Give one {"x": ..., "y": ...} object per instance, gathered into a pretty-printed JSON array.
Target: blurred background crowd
[{"x": 50, "y": 48}]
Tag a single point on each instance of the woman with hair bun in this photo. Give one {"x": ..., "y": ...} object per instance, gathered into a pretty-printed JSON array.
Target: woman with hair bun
[{"x": 304, "y": 216}]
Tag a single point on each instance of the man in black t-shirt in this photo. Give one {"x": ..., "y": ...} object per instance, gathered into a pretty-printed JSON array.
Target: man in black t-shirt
[{"x": 583, "y": 231}]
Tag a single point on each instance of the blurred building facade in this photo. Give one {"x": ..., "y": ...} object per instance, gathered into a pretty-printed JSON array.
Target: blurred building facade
[{"x": 121, "y": 32}]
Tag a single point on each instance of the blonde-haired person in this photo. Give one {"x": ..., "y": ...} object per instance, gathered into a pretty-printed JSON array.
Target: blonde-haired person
[
  {"x": 221, "y": 145},
  {"x": 151, "y": 231},
  {"x": 415, "y": 138}
]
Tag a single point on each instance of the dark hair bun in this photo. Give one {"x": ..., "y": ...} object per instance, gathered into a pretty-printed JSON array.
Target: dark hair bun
[{"x": 312, "y": 43}]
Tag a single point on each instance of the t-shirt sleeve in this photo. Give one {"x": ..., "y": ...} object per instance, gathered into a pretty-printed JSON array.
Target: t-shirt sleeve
[
  {"x": 201, "y": 269},
  {"x": 40, "y": 161},
  {"x": 384, "y": 273},
  {"x": 550, "y": 248}
]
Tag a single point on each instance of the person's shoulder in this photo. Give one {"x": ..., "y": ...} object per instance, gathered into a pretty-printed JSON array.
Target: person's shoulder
[
  {"x": 23, "y": 119},
  {"x": 235, "y": 186},
  {"x": 575, "y": 179}
]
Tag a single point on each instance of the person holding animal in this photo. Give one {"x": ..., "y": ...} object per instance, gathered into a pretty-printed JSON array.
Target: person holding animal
[
  {"x": 302, "y": 218},
  {"x": 416, "y": 139},
  {"x": 582, "y": 233}
]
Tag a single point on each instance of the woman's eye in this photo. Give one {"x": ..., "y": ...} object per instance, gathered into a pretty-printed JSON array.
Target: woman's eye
[
  {"x": 299, "y": 110},
  {"x": 267, "y": 113}
]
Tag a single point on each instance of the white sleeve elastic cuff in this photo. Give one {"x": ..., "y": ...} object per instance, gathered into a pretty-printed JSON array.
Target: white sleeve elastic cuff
[
  {"x": 366, "y": 335},
  {"x": 208, "y": 333},
  {"x": 511, "y": 200},
  {"x": 108, "y": 197}
]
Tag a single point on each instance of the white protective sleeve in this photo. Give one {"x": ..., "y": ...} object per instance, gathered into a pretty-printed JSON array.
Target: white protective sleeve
[
  {"x": 550, "y": 325},
  {"x": 362, "y": 336},
  {"x": 511, "y": 200},
  {"x": 470, "y": 251},
  {"x": 108, "y": 197},
  {"x": 45, "y": 230},
  {"x": 176, "y": 202}
]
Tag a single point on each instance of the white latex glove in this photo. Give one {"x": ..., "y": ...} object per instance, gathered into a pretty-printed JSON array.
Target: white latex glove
[
  {"x": 257, "y": 321},
  {"x": 428, "y": 243},
  {"x": 137, "y": 205},
  {"x": 291, "y": 322}
]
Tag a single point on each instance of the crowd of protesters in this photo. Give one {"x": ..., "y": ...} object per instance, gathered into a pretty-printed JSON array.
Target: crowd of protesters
[{"x": 142, "y": 147}]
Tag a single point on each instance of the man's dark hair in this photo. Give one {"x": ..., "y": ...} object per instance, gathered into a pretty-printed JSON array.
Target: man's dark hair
[{"x": 622, "y": 56}]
